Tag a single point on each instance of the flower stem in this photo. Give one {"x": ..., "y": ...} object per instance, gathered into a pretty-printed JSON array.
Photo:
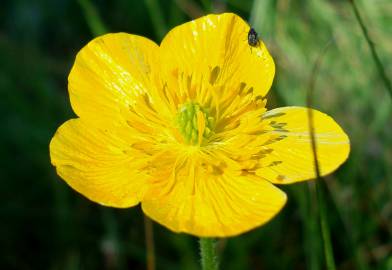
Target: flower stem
[
  {"x": 208, "y": 254},
  {"x": 148, "y": 227}
]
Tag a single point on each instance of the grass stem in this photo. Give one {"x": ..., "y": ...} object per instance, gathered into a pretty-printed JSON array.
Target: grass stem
[
  {"x": 376, "y": 58},
  {"x": 94, "y": 21},
  {"x": 327, "y": 246},
  {"x": 328, "y": 251},
  {"x": 157, "y": 17}
]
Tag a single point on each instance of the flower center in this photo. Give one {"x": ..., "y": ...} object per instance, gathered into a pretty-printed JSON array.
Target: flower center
[{"x": 194, "y": 123}]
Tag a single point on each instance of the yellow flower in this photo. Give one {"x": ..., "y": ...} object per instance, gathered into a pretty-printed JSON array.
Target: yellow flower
[{"x": 182, "y": 128}]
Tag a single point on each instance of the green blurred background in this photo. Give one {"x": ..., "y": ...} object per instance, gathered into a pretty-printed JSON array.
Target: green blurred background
[{"x": 46, "y": 225}]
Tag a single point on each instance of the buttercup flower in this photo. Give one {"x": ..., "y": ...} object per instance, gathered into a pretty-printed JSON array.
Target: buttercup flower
[{"x": 182, "y": 128}]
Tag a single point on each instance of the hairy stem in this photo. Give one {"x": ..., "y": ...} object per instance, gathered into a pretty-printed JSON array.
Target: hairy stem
[{"x": 208, "y": 254}]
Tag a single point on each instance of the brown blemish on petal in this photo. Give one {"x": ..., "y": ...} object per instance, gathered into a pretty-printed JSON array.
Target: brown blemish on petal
[
  {"x": 268, "y": 116},
  {"x": 275, "y": 139},
  {"x": 277, "y": 125},
  {"x": 214, "y": 75},
  {"x": 266, "y": 151},
  {"x": 281, "y": 137},
  {"x": 189, "y": 82},
  {"x": 275, "y": 163},
  {"x": 242, "y": 87}
]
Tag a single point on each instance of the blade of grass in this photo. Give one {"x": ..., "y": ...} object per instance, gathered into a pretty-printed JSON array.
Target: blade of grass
[
  {"x": 328, "y": 251},
  {"x": 207, "y": 5},
  {"x": 376, "y": 58},
  {"x": 313, "y": 235},
  {"x": 353, "y": 244},
  {"x": 262, "y": 17},
  {"x": 94, "y": 21},
  {"x": 157, "y": 18},
  {"x": 190, "y": 8},
  {"x": 176, "y": 15},
  {"x": 184, "y": 245},
  {"x": 305, "y": 198},
  {"x": 111, "y": 244}
]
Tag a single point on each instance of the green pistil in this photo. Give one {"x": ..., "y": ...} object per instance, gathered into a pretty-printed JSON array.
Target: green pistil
[{"x": 187, "y": 122}]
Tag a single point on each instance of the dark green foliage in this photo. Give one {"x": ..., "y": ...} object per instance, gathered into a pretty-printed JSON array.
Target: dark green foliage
[{"x": 46, "y": 225}]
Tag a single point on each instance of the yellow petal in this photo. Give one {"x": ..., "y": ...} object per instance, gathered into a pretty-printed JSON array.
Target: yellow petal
[
  {"x": 212, "y": 54},
  {"x": 289, "y": 157},
  {"x": 109, "y": 73},
  {"x": 216, "y": 206},
  {"x": 97, "y": 164}
]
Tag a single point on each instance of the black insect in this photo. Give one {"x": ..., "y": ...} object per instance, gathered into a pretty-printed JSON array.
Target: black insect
[{"x": 253, "y": 39}]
